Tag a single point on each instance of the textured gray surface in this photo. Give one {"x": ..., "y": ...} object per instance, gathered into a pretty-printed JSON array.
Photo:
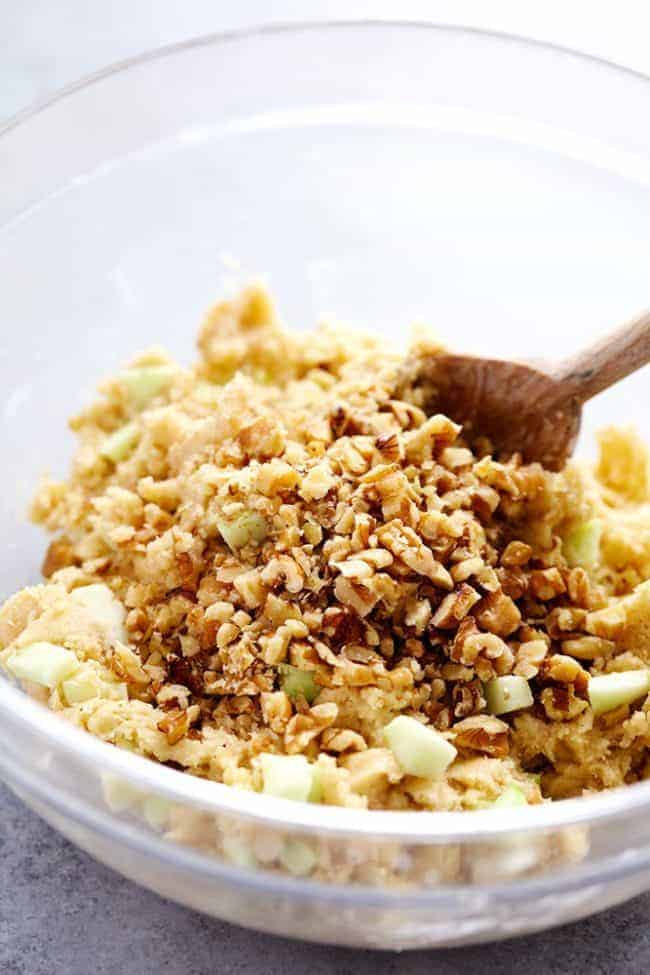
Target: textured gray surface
[{"x": 61, "y": 913}]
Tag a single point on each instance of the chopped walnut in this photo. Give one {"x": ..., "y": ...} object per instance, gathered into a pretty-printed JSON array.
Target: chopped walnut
[
  {"x": 487, "y": 653},
  {"x": 498, "y": 476},
  {"x": 514, "y": 582},
  {"x": 467, "y": 698},
  {"x": 358, "y": 597},
  {"x": 564, "y": 670},
  {"x": 529, "y": 657},
  {"x": 342, "y": 740},
  {"x": 60, "y": 553},
  {"x": 283, "y": 570},
  {"x": 262, "y": 439},
  {"x": 303, "y": 728},
  {"x": 354, "y": 569},
  {"x": 565, "y": 619},
  {"x": 126, "y": 665},
  {"x": 515, "y": 554},
  {"x": 546, "y": 584},
  {"x": 249, "y": 586},
  {"x": 469, "y": 567},
  {"x": 580, "y": 589},
  {"x": 175, "y": 725},
  {"x": 455, "y": 607},
  {"x": 276, "y": 710},
  {"x": 588, "y": 647},
  {"x": 498, "y": 614},
  {"x": 317, "y": 483},
  {"x": 408, "y": 547},
  {"x": 437, "y": 430},
  {"x": 418, "y": 614},
  {"x": 483, "y": 733},
  {"x": 390, "y": 447},
  {"x": 561, "y": 703}
]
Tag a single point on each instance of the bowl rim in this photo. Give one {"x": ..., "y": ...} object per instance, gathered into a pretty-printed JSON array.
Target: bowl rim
[
  {"x": 270, "y": 29},
  {"x": 151, "y": 843},
  {"x": 414, "y": 827}
]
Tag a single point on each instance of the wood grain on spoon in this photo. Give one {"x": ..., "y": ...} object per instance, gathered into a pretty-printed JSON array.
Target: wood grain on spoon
[{"x": 531, "y": 410}]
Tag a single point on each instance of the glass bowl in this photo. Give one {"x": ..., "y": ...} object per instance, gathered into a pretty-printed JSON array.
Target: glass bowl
[{"x": 496, "y": 188}]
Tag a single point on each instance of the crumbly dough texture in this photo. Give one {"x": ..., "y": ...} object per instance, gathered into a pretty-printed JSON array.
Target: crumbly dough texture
[{"x": 398, "y": 568}]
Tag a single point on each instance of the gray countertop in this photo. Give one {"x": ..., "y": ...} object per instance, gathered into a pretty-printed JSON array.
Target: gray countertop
[{"x": 61, "y": 913}]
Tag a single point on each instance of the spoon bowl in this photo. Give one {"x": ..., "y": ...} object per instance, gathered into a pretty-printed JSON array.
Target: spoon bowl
[{"x": 509, "y": 408}]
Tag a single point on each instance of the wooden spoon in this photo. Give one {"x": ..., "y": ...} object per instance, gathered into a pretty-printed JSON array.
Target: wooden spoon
[{"x": 531, "y": 410}]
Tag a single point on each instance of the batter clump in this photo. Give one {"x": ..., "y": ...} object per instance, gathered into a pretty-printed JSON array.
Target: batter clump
[{"x": 276, "y": 571}]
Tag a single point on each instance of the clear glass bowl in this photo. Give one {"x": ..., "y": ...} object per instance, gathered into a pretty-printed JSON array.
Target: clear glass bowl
[{"x": 382, "y": 173}]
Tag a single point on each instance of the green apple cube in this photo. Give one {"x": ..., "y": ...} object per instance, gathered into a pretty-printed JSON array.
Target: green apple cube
[
  {"x": 298, "y": 683},
  {"x": 156, "y": 811},
  {"x": 582, "y": 545},
  {"x": 119, "y": 794},
  {"x": 609, "y": 691},
  {"x": 119, "y": 445},
  {"x": 103, "y": 607},
  {"x": 287, "y": 776},
  {"x": 43, "y": 663},
  {"x": 509, "y": 693},
  {"x": 247, "y": 527},
  {"x": 79, "y": 688},
  {"x": 419, "y": 750},
  {"x": 298, "y": 858},
  {"x": 238, "y": 851},
  {"x": 87, "y": 684},
  {"x": 511, "y": 796},
  {"x": 144, "y": 382},
  {"x": 316, "y": 791}
]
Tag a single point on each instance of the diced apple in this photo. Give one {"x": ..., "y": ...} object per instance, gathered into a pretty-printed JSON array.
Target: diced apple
[
  {"x": 609, "y": 691},
  {"x": 298, "y": 683},
  {"x": 119, "y": 445},
  {"x": 238, "y": 851},
  {"x": 512, "y": 795},
  {"x": 103, "y": 608},
  {"x": 43, "y": 663},
  {"x": 582, "y": 545},
  {"x": 247, "y": 527},
  {"x": 119, "y": 794},
  {"x": 287, "y": 776},
  {"x": 419, "y": 750},
  {"x": 156, "y": 810},
  {"x": 144, "y": 382},
  {"x": 87, "y": 684},
  {"x": 316, "y": 791},
  {"x": 298, "y": 858},
  {"x": 506, "y": 694},
  {"x": 79, "y": 688}
]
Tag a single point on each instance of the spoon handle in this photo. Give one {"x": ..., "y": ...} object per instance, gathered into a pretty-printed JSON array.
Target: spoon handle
[{"x": 606, "y": 361}]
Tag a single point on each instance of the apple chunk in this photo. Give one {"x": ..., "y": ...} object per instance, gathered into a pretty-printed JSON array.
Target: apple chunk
[
  {"x": 43, "y": 663},
  {"x": 609, "y": 691},
  {"x": 419, "y": 750}
]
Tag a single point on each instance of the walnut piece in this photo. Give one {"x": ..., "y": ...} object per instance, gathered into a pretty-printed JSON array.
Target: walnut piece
[{"x": 483, "y": 733}]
